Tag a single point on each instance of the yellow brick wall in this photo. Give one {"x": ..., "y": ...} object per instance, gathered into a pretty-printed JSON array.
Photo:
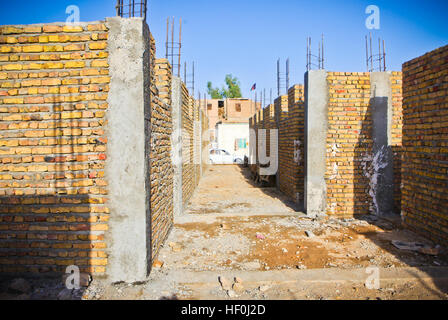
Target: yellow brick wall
[
  {"x": 397, "y": 136},
  {"x": 54, "y": 83},
  {"x": 291, "y": 132},
  {"x": 425, "y": 145},
  {"x": 349, "y": 142},
  {"x": 162, "y": 171},
  {"x": 188, "y": 166}
]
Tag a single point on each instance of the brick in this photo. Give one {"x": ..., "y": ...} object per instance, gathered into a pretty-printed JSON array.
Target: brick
[
  {"x": 97, "y": 27},
  {"x": 74, "y": 47},
  {"x": 32, "y": 29},
  {"x": 57, "y": 48},
  {"x": 43, "y": 39},
  {"x": 52, "y": 29},
  {"x": 50, "y": 82},
  {"x": 13, "y": 101},
  {"x": 97, "y": 45},
  {"x": 72, "y": 29},
  {"x": 5, "y": 49},
  {"x": 11, "y": 40},
  {"x": 11, "y": 30},
  {"x": 99, "y": 64},
  {"x": 54, "y": 65},
  {"x": 12, "y": 67},
  {"x": 75, "y": 64},
  {"x": 35, "y": 48}
]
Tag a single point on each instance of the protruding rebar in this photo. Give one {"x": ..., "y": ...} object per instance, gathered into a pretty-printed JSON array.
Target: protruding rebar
[
  {"x": 371, "y": 56},
  {"x": 323, "y": 57},
  {"x": 180, "y": 46},
  {"x": 379, "y": 54},
  {"x": 167, "y": 36},
  {"x": 278, "y": 77},
  {"x": 172, "y": 43},
  {"x": 307, "y": 56}
]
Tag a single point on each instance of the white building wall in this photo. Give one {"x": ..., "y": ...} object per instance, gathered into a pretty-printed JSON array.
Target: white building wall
[{"x": 228, "y": 133}]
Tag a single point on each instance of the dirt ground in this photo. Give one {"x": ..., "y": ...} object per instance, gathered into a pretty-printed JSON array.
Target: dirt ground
[{"x": 259, "y": 244}]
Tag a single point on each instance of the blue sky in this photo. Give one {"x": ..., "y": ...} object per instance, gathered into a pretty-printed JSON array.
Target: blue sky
[{"x": 246, "y": 37}]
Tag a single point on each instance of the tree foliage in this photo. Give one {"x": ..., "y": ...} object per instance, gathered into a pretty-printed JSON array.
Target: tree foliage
[
  {"x": 213, "y": 92},
  {"x": 232, "y": 90}
]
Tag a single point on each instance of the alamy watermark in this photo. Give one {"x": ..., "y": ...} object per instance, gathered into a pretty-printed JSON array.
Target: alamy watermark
[
  {"x": 373, "y": 280},
  {"x": 74, "y": 15},
  {"x": 73, "y": 279},
  {"x": 373, "y": 20}
]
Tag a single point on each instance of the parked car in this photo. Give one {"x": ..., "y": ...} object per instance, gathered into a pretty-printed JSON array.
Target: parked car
[{"x": 221, "y": 156}]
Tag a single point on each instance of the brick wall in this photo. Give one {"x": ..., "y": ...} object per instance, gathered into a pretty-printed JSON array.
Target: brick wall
[
  {"x": 206, "y": 138},
  {"x": 397, "y": 136},
  {"x": 350, "y": 166},
  {"x": 188, "y": 145},
  {"x": 287, "y": 116},
  {"x": 349, "y": 143},
  {"x": 53, "y": 91},
  {"x": 425, "y": 145},
  {"x": 291, "y": 144},
  {"x": 162, "y": 171}
]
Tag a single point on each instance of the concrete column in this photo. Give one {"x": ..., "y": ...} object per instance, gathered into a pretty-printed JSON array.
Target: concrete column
[
  {"x": 382, "y": 183},
  {"x": 176, "y": 151},
  {"x": 316, "y": 126},
  {"x": 127, "y": 166}
]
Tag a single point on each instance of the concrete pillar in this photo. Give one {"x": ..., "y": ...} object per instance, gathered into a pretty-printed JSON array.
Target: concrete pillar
[
  {"x": 176, "y": 151},
  {"x": 127, "y": 166},
  {"x": 382, "y": 183},
  {"x": 316, "y": 126}
]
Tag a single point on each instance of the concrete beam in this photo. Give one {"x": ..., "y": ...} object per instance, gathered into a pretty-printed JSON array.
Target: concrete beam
[
  {"x": 127, "y": 171},
  {"x": 316, "y": 126},
  {"x": 382, "y": 181},
  {"x": 176, "y": 140}
]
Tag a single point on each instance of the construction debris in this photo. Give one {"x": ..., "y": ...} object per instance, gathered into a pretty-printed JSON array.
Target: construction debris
[
  {"x": 157, "y": 264},
  {"x": 412, "y": 246},
  {"x": 260, "y": 236},
  {"x": 225, "y": 284}
]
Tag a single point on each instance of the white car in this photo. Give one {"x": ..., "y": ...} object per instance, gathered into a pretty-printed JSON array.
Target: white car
[{"x": 220, "y": 156}]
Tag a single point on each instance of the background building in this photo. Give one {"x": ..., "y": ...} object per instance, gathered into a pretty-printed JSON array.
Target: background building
[
  {"x": 233, "y": 137},
  {"x": 229, "y": 123}
]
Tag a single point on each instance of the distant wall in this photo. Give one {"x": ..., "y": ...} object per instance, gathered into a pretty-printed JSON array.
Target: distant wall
[
  {"x": 194, "y": 144},
  {"x": 291, "y": 146},
  {"x": 339, "y": 142},
  {"x": 286, "y": 116}
]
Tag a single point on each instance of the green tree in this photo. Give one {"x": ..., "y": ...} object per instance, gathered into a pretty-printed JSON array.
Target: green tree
[
  {"x": 233, "y": 89},
  {"x": 214, "y": 92}
]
